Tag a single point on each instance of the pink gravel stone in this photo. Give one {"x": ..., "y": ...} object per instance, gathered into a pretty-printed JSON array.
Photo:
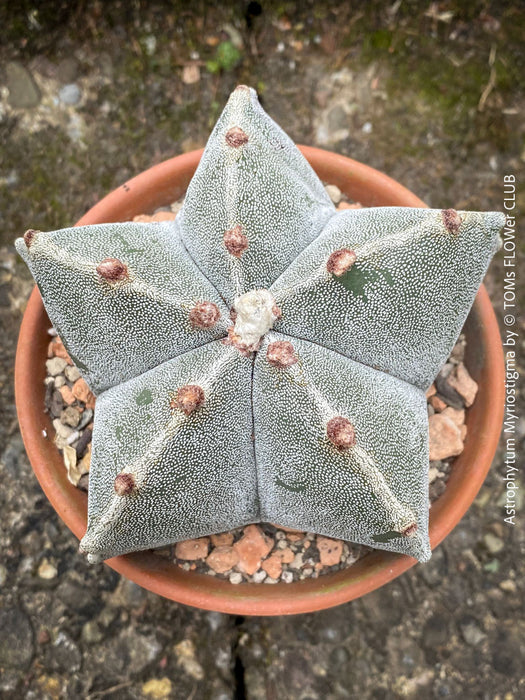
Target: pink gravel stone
[
  {"x": 67, "y": 395},
  {"x": 330, "y": 550},
  {"x": 253, "y": 546},
  {"x": 60, "y": 351},
  {"x": 273, "y": 565},
  {"x": 437, "y": 403},
  {"x": 190, "y": 550},
  {"x": 462, "y": 382},
  {"x": 82, "y": 392},
  {"x": 444, "y": 437},
  {"x": 431, "y": 391},
  {"x": 222, "y": 538},
  {"x": 286, "y": 555},
  {"x": 457, "y": 416},
  {"x": 222, "y": 559}
]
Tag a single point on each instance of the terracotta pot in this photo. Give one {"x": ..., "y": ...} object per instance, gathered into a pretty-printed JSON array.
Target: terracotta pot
[{"x": 165, "y": 183}]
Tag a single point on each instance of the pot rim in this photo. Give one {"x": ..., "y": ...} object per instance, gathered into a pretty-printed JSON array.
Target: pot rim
[{"x": 166, "y": 182}]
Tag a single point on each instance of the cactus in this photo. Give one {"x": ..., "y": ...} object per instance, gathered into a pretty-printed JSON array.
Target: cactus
[{"x": 263, "y": 357}]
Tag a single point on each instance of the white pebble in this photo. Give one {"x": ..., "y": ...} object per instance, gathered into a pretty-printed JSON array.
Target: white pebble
[
  {"x": 259, "y": 576},
  {"x": 235, "y": 577},
  {"x": 72, "y": 373},
  {"x": 334, "y": 193},
  {"x": 55, "y": 366},
  {"x": 287, "y": 576}
]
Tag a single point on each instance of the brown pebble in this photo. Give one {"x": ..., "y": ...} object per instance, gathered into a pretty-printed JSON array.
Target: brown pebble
[
  {"x": 457, "y": 416},
  {"x": 431, "y": 391},
  {"x": 222, "y": 538},
  {"x": 222, "y": 559},
  {"x": 60, "y": 351},
  {"x": 444, "y": 437},
  {"x": 189, "y": 398},
  {"x": 437, "y": 403},
  {"x": 43, "y": 636},
  {"x": 273, "y": 565},
  {"x": 460, "y": 380},
  {"x": 286, "y": 555},
  {"x": 84, "y": 442},
  {"x": 70, "y": 416},
  {"x": 83, "y": 393},
  {"x": 191, "y": 550},
  {"x": 57, "y": 403},
  {"x": 253, "y": 546},
  {"x": 340, "y": 432},
  {"x": 67, "y": 394},
  {"x": 85, "y": 463},
  {"x": 330, "y": 550}
]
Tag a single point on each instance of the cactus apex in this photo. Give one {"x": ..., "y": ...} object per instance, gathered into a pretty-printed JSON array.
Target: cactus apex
[
  {"x": 29, "y": 236},
  {"x": 205, "y": 314},
  {"x": 124, "y": 484},
  {"x": 189, "y": 398},
  {"x": 452, "y": 220},
  {"x": 341, "y": 261},
  {"x": 235, "y": 241},
  {"x": 236, "y": 137},
  {"x": 341, "y": 433},
  {"x": 113, "y": 270},
  {"x": 281, "y": 354}
]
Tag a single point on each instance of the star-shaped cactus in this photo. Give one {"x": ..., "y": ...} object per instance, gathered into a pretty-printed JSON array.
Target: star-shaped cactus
[{"x": 263, "y": 357}]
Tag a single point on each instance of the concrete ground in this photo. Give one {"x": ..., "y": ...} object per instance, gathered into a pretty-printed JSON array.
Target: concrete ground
[{"x": 93, "y": 93}]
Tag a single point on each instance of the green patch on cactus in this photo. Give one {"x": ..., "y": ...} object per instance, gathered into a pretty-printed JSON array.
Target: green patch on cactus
[
  {"x": 127, "y": 247},
  {"x": 144, "y": 398},
  {"x": 295, "y": 488},
  {"x": 386, "y": 536},
  {"x": 356, "y": 280},
  {"x": 307, "y": 409}
]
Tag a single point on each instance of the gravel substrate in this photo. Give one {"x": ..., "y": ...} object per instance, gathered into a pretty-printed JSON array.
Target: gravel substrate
[{"x": 260, "y": 553}]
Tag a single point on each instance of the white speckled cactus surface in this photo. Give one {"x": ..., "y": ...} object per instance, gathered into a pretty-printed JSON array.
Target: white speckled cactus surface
[{"x": 262, "y": 357}]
